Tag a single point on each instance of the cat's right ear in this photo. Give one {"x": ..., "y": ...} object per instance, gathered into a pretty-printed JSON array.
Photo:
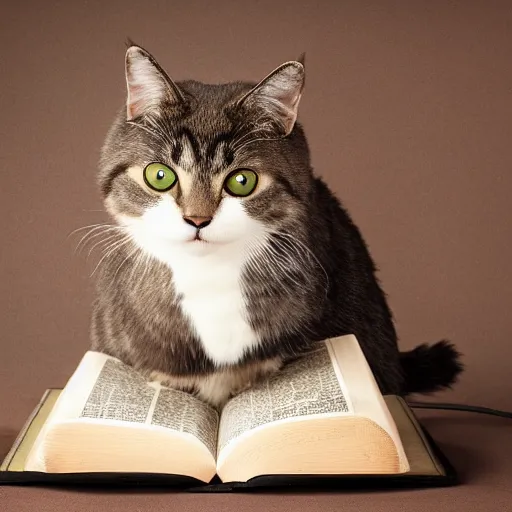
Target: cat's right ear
[
  {"x": 148, "y": 85},
  {"x": 276, "y": 98}
]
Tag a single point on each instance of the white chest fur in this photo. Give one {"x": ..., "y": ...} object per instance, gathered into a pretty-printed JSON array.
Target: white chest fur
[
  {"x": 206, "y": 277},
  {"x": 210, "y": 289}
]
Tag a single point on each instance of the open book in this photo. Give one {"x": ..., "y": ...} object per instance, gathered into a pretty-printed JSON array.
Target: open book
[{"x": 323, "y": 414}]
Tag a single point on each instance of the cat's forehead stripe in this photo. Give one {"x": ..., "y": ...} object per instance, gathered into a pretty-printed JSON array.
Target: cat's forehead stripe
[
  {"x": 188, "y": 155},
  {"x": 189, "y": 151},
  {"x": 177, "y": 151},
  {"x": 218, "y": 157},
  {"x": 191, "y": 145}
]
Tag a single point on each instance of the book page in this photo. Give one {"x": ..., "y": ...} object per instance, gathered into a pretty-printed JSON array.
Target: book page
[
  {"x": 367, "y": 400},
  {"x": 120, "y": 393},
  {"x": 102, "y": 389},
  {"x": 180, "y": 411},
  {"x": 306, "y": 387}
]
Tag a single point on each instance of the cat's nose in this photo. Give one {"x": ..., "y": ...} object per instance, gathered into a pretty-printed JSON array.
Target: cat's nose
[{"x": 198, "y": 222}]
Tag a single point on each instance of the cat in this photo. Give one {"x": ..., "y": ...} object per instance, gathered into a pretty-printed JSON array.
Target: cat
[{"x": 228, "y": 257}]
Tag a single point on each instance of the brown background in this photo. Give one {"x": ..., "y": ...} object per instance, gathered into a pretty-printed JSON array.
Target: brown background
[{"x": 408, "y": 111}]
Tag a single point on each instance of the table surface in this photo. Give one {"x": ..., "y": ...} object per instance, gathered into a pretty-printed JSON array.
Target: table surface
[{"x": 479, "y": 447}]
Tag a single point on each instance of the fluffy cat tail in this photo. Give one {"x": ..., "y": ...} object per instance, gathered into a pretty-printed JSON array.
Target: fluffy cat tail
[{"x": 430, "y": 368}]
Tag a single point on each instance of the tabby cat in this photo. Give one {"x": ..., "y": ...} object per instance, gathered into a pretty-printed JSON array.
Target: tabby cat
[{"x": 228, "y": 257}]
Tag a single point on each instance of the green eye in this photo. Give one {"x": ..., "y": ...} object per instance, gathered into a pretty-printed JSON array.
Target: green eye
[
  {"x": 241, "y": 183},
  {"x": 159, "y": 177}
]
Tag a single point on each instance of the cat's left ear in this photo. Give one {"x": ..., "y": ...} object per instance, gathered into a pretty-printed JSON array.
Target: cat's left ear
[
  {"x": 277, "y": 96},
  {"x": 148, "y": 85}
]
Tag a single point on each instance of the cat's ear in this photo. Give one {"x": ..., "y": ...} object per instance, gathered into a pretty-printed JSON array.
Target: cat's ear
[
  {"x": 277, "y": 96},
  {"x": 148, "y": 85}
]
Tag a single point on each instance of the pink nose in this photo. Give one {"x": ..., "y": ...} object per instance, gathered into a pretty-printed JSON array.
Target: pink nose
[{"x": 198, "y": 222}]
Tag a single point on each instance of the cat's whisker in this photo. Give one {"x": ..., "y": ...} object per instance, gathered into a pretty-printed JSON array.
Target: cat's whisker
[
  {"x": 87, "y": 227},
  {"x": 286, "y": 269},
  {"x": 266, "y": 255},
  {"x": 90, "y": 235},
  {"x": 103, "y": 241},
  {"x": 260, "y": 125},
  {"x": 244, "y": 137},
  {"x": 253, "y": 268},
  {"x": 95, "y": 232},
  {"x": 112, "y": 245},
  {"x": 306, "y": 249},
  {"x": 147, "y": 261},
  {"x": 142, "y": 262},
  {"x": 279, "y": 257},
  {"x": 104, "y": 229},
  {"x": 295, "y": 258},
  {"x": 110, "y": 250},
  {"x": 156, "y": 130},
  {"x": 136, "y": 264},
  {"x": 239, "y": 142},
  {"x": 124, "y": 261},
  {"x": 259, "y": 258},
  {"x": 155, "y": 127},
  {"x": 304, "y": 269},
  {"x": 145, "y": 128},
  {"x": 166, "y": 136},
  {"x": 252, "y": 141},
  {"x": 252, "y": 260}
]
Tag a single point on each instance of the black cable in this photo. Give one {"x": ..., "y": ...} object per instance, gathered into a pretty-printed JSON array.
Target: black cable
[{"x": 460, "y": 407}]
